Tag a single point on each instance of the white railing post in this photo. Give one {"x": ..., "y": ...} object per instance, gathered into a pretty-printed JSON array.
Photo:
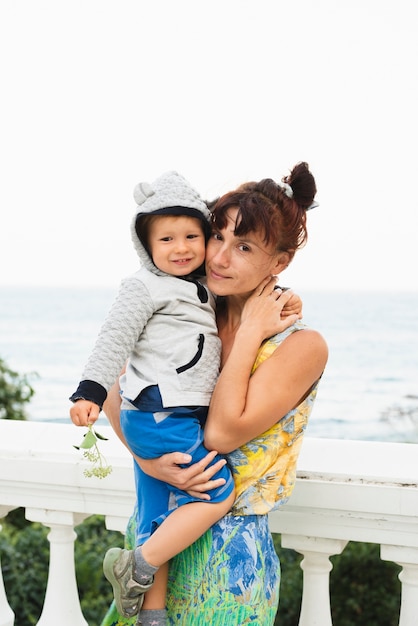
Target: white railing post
[
  {"x": 117, "y": 522},
  {"x": 61, "y": 603},
  {"x": 316, "y": 566},
  {"x": 407, "y": 558}
]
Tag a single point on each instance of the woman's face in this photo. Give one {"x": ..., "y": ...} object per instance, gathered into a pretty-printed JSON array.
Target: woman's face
[{"x": 236, "y": 265}]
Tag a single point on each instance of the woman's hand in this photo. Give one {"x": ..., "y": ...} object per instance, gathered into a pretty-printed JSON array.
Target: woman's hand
[
  {"x": 195, "y": 479},
  {"x": 263, "y": 310}
]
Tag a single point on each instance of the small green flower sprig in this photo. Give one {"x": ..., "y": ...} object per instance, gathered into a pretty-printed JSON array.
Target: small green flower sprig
[{"x": 91, "y": 452}]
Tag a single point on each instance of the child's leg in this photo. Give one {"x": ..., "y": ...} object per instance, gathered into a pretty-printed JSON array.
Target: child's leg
[
  {"x": 155, "y": 597},
  {"x": 120, "y": 565},
  {"x": 181, "y": 528},
  {"x": 131, "y": 572},
  {"x": 152, "y": 617}
]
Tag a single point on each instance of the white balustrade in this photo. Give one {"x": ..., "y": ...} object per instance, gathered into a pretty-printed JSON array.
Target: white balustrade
[
  {"x": 345, "y": 491},
  {"x": 407, "y": 558},
  {"x": 316, "y": 566},
  {"x": 61, "y": 593},
  {"x": 42, "y": 472}
]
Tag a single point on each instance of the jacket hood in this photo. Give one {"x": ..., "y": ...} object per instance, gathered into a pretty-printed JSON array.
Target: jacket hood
[{"x": 170, "y": 194}]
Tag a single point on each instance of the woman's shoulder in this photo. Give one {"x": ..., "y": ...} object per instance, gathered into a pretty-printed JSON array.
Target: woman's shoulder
[
  {"x": 308, "y": 339},
  {"x": 308, "y": 335}
]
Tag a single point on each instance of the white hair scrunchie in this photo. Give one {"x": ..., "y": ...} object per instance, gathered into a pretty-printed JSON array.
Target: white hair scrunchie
[{"x": 287, "y": 189}]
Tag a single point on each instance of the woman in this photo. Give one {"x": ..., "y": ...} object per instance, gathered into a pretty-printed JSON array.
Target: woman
[{"x": 259, "y": 409}]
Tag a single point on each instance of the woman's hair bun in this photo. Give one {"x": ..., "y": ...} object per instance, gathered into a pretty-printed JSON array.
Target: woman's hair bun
[{"x": 303, "y": 185}]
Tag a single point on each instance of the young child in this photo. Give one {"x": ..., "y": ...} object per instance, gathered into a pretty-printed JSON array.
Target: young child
[{"x": 163, "y": 324}]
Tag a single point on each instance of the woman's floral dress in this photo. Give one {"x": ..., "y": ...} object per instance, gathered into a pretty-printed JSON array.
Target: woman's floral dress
[{"x": 231, "y": 575}]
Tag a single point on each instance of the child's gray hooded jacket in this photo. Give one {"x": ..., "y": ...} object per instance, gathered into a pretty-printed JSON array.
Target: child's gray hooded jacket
[{"x": 162, "y": 325}]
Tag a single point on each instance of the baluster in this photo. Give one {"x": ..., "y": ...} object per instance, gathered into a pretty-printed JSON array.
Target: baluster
[
  {"x": 316, "y": 566},
  {"x": 407, "y": 558},
  {"x": 116, "y": 522},
  {"x": 61, "y": 604}
]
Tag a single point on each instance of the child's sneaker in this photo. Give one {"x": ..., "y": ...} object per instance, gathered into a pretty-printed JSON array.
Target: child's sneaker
[{"x": 118, "y": 567}]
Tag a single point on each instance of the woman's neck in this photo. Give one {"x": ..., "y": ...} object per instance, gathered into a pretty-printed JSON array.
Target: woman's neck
[{"x": 228, "y": 320}]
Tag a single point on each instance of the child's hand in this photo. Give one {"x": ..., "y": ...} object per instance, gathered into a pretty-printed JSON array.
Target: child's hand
[
  {"x": 84, "y": 412},
  {"x": 293, "y": 306},
  {"x": 262, "y": 311}
]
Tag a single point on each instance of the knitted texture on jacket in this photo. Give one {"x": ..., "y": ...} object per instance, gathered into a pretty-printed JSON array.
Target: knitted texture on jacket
[{"x": 162, "y": 326}]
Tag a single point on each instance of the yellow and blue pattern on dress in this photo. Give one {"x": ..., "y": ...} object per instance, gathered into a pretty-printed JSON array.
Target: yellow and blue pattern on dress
[
  {"x": 231, "y": 575},
  {"x": 265, "y": 468}
]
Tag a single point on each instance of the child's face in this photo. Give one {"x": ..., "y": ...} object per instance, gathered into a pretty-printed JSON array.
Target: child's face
[{"x": 177, "y": 244}]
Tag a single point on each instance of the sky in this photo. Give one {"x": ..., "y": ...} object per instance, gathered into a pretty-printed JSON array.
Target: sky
[{"x": 98, "y": 95}]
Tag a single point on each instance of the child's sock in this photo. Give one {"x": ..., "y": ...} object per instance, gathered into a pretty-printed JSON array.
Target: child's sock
[
  {"x": 143, "y": 571},
  {"x": 152, "y": 617}
]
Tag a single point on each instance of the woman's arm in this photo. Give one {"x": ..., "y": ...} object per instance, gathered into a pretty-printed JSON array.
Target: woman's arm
[
  {"x": 111, "y": 408},
  {"x": 245, "y": 405},
  {"x": 195, "y": 479}
]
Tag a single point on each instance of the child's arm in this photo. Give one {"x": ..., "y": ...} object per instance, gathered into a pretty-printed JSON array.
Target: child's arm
[
  {"x": 124, "y": 323},
  {"x": 293, "y": 306}
]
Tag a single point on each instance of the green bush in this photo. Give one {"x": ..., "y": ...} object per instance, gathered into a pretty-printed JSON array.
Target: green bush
[
  {"x": 364, "y": 589},
  {"x": 15, "y": 393},
  {"x": 93, "y": 540},
  {"x": 291, "y": 583},
  {"x": 24, "y": 555}
]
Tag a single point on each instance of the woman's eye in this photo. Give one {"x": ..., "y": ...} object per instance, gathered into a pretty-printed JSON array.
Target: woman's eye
[{"x": 244, "y": 248}]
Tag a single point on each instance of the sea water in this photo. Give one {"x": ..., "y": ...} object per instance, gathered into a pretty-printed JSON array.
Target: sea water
[{"x": 369, "y": 389}]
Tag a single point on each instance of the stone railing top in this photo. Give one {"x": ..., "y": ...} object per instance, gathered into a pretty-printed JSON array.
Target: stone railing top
[
  {"x": 359, "y": 479},
  {"x": 359, "y": 461},
  {"x": 321, "y": 459},
  {"x": 40, "y": 467}
]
